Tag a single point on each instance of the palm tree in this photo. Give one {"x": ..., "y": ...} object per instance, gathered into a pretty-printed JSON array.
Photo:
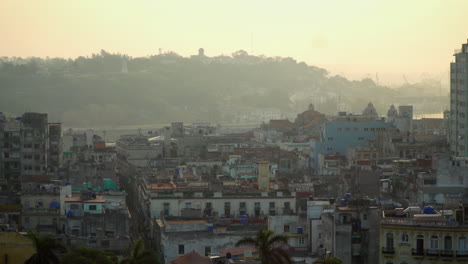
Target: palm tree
[
  {"x": 268, "y": 246},
  {"x": 45, "y": 246},
  {"x": 140, "y": 255}
]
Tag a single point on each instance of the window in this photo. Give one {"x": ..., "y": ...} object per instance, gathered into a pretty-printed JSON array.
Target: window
[
  {"x": 301, "y": 240},
  {"x": 181, "y": 250},
  {"x": 319, "y": 235},
  {"x": 366, "y": 129},
  {"x": 389, "y": 240},
  {"x": 462, "y": 243},
  {"x": 166, "y": 209},
  {"x": 272, "y": 205},
  {"x": 434, "y": 242},
  {"x": 26, "y": 220},
  {"x": 207, "y": 250},
  {"x": 286, "y": 228},
  {"x": 330, "y": 138},
  {"x": 287, "y": 205},
  {"x": 105, "y": 243},
  {"x": 348, "y": 129},
  {"x": 74, "y": 206},
  {"x": 227, "y": 209},
  {"x": 188, "y": 205},
  {"x": 356, "y": 129},
  {"x": 92, "y": 207},
  {"x": 404, "y": 238},
  {"x": 420, "y": 244},
  {"x": 360, "y": 138},
  {"x": 447, "y": 242},
  {"x": 364, "y": 216}
]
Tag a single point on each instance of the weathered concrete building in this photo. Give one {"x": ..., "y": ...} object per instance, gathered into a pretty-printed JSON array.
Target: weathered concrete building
[
  {"x": 176, "y": 237},
  {"x": 348, "y": 232},
  {"x": 98, "y": 221}
]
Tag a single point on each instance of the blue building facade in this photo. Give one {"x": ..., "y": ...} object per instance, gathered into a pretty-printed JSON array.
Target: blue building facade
[{"x": 336, "y": 137}]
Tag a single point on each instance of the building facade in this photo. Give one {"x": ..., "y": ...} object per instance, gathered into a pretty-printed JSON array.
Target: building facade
[
  {"x": 422, "y": 238},
  {"x": 458, "y": 103}
]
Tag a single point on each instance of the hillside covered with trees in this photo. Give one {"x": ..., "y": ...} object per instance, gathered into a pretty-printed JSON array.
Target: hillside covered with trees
[{"x": 116, "y": 90}]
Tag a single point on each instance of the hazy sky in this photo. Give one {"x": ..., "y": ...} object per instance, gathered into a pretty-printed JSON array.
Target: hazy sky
[{"x": 354, "y": 38}]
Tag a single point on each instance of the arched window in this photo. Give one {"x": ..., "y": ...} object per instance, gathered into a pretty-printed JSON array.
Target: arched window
[{"x": 404, "y": 238}]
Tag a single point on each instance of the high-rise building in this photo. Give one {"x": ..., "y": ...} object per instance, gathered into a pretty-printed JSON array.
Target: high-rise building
[
  {"x": 29, "y": 145},
  {"x": 459, "y": 103}
]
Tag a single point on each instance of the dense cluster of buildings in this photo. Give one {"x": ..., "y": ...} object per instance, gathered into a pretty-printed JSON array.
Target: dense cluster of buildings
[{"x": 365, "y": 188}]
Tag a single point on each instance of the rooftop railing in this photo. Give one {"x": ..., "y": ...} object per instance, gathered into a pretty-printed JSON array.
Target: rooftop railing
[{"x": 419, "y": 222}]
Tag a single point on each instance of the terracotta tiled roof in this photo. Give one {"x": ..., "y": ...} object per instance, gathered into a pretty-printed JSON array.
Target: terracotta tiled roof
[
  {"x": 94, "y": 201},
  {"x": 310, "y": 114},
  {"x": 313, "y": 122},
  {"x": 192, "y": 258},
  {"x": 236, "y": 251},
  {"x": 162, "y": 186},
  {"x": 281, "y": 123},
  {"x": 73, "y": 199}
]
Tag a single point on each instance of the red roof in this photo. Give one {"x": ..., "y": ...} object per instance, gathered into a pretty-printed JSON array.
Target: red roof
[
  {"x": 316, "y": 121},
  {"x": 162, "y": 186},
  {"x": 282, "y": 123},
  {"x": 236, "y": 251},
  {"x": 192, "y": 258}
]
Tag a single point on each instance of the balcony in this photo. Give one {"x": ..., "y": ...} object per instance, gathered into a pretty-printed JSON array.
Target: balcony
[
  {"x": 417, "y": 252},
  {"x": 446, "y": 253},
  {"x": 388, "y": 250},
  {"x": 432, "y": 252},
  {"x": 41, "y": 211},
  {"x": 462, "y": 253}
]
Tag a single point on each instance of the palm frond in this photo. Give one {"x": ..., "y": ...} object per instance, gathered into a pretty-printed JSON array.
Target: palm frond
[
  {"x": 278, "y": 239},
  {"x": 282, "y": 255},
  {"x": 138, "y": 248},
  {"x": 247, "y": 241}
]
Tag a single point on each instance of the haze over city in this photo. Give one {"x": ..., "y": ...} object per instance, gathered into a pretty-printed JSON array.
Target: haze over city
[
  {"x": 355, "y": 39},
  {"x": 233, "y": 132}
]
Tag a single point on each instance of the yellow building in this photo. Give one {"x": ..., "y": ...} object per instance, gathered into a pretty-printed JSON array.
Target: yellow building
[
  {"x": 15, "y": 248},
  {"x": 263, "y": 176},
  {"x": 422, "y": 238}
]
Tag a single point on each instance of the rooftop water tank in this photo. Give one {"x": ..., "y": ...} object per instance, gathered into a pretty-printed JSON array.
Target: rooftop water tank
[{"x": 429, "y": 210}]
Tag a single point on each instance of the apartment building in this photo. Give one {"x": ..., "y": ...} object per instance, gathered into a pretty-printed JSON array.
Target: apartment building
[
  {"x": 458, "y": 103},
  {"x": 413, "y": 235}
]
